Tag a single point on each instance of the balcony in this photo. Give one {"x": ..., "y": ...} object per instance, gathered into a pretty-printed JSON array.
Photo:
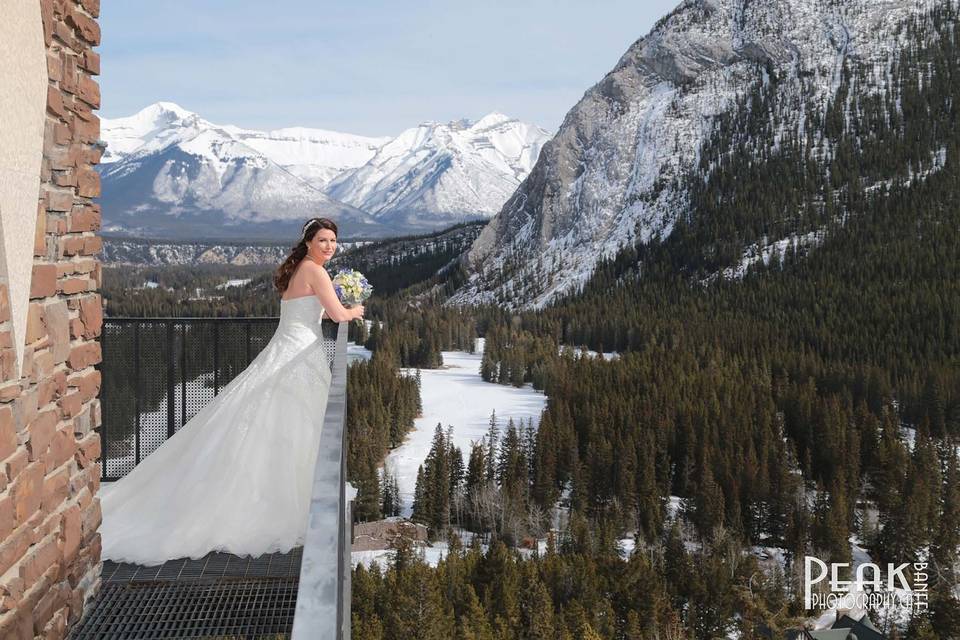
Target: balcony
[{"x": 157, "y": 373}]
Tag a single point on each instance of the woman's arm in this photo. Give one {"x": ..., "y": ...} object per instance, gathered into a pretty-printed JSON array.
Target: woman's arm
[{"x": 319, "y": 280}]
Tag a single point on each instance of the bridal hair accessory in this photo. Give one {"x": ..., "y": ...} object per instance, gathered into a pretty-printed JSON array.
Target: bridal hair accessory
[{"x": 306, "y": 227}]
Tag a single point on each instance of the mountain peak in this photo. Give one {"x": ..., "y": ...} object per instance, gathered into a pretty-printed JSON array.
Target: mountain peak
[
  {"x": 165, "y": 158},
  {"x": 617, "y": 170},
  {"x": 456, "y": 170},
  {"x": 492, "y": 119},
  {"x": 171, "y": 107}
]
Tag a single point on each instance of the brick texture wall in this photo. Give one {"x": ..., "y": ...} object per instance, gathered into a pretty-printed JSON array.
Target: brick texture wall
[{"x": 49, "y": 451}]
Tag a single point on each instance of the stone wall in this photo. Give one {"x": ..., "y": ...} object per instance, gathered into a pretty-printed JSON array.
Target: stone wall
[{"x": 49, "y": 451}]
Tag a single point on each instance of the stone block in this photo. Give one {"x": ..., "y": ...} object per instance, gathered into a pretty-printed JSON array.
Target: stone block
[
  {"x": 87, "y": 131},
  {"x": 96, "y": 416},
  {"x": 51, "y": 387},
  {"x": 91, "y": 314},
  {"x": 8, "y": 365},
  {"x": 90, "y": 518},
  {"x": 71, "y": 245},
  {"x": 42, "y": 365},
  {"x": 55, "y": 488},
  {"x": 40, "y": 237},
  {"x": 10, "y": 391},
  {"x": 43, "y": 283},
  {"x": 57, "y": 320},
  {"x": 64, "y": 33},
  {"x": 15, "y": 464},
  {"x": 70, "y": 405},
  {"x": 55, "y": 103},
  {"x": 76, "y": 328},
  {"x": 4, "y": 303},
  {"x": 8, "y": 432},
  {"x": 41, "y": 432},
  {"x": 89, "y": 91},
  {"x": 42, "y": 586},
  {"x": 70, "y": 286},
  {"x": 91, "y": 63},
  {"x": 82, "y": 423},
  {"x": 65, "y": 178},
  {"x": 11, "y": 591},
  {"x": 36, "y": 325},
  {"x": 25, "y": 409},
  {"x": 87, "y": 28},
  {"x": 46, "y": 16},
  {"x": 56, "y": 627},
  {"x": 92, "y": 245},
  {"x": 61, "y": 134},
  {"x": 38, "y": 559},
  {"x": 87, "y": 384},
  {"x": 83, "y": 355},
  {"x": 27, "y": 491},
  {"x": 88, "y": 218},
  {"x": 62, "y": 448},
  {"x": 59, "y": 200},
  {"x": 54, "y": 67},
  {"x": 7, "y": 516},
  {"x": 92, "y": 7},
  {"x": 88, "y": 183},
  {"x": 13, "y": 547},
  {"x": 89, "y": 450},
  {"x": 70, "y": 532},
  {"x": 50, "y": 524},
  {"x": 70, "y": 75}
]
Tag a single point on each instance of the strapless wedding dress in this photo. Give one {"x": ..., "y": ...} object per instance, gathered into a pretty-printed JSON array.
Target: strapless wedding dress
[{"x": 236, "y": 477}]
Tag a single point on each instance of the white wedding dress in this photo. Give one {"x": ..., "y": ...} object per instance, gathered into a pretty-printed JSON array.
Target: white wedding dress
[{"x": 236, "y": 477}]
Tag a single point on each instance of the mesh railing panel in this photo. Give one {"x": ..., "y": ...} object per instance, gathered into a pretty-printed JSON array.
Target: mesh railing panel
[{"x": 159, "y": 372}]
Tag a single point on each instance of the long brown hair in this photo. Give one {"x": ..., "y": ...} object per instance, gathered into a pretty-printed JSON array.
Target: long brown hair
[{"x": 281, "y": 279}]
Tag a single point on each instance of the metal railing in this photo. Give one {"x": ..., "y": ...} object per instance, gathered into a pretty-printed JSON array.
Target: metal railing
[
  {"x": 158, "y": 372},
  {"x": 323, "y": 596}
]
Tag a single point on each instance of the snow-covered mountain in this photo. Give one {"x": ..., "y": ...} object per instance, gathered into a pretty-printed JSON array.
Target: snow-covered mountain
[
  {"x": 314, "y": 154},
  {"x": 169, "y": 173},
  {"x": 622, "y": 164},
  {"x": 447, "y": 172}
]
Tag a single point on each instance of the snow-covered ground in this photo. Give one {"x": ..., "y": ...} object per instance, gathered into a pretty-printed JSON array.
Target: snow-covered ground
[
  {"x": 238, "y": 282},
  {"x": 356, "y": 352},
  {"x": 456, "y": 395},
  {"x": 453, "y": 395},
  {"x": 581, "y": 351}
]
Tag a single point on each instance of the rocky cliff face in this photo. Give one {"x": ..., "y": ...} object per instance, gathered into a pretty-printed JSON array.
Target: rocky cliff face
[{"x": 620, "y": 167}]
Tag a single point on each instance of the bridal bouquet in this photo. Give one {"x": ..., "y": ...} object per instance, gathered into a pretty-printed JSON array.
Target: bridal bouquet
[{"x": 351, "y": 286}]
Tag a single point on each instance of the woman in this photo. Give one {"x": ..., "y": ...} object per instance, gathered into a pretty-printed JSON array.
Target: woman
[{"x": 237, "y": 476}]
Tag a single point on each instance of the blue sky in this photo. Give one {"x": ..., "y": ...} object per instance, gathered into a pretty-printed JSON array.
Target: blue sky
[{"x": 364, "y": 67}]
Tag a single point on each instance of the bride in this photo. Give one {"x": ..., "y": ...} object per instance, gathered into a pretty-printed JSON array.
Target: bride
[{"x": 237, "y": 476}]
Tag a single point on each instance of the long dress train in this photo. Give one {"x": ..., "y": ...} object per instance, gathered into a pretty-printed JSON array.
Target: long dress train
[{"x": 237, "y": 476}]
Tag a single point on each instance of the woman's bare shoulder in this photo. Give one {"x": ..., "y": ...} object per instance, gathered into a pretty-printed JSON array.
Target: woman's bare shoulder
[{"x": 309, "y": 266}]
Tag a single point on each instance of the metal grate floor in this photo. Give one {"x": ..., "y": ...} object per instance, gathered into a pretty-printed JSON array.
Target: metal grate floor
[{"x": 220, "y": 596}]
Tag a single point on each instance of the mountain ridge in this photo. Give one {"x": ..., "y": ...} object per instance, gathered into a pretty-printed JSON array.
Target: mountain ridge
[
  {"x": 168, "y": 172},
  {"x": 621, "y": 166}
]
